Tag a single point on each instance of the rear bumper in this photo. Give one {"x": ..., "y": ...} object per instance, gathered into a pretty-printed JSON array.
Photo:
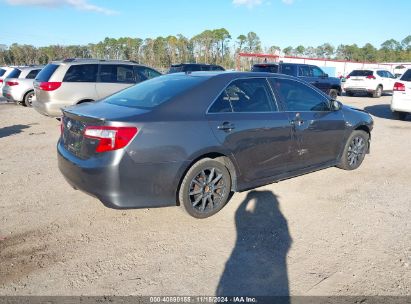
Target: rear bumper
[
  {"x": 120, "y": 183},
  {"x": 11, "y": 95},
  {"x": 48, "y": 108},
  {"x": 400, "y": 102}
]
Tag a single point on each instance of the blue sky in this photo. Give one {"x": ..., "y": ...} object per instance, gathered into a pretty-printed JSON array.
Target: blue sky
[{"x": 277, "y": 22}]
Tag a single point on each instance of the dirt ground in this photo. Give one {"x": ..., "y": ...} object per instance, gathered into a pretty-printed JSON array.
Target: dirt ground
[{"x": 331, "y": 232}]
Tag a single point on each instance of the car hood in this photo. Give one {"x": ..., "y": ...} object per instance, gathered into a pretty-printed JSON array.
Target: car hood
[{"x": 104, "y": 111}]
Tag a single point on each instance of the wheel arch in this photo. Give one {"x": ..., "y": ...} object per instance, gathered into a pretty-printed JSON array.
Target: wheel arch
[
  {"x": 219, "y": 156},
  {"x": 26, "y": 93}
]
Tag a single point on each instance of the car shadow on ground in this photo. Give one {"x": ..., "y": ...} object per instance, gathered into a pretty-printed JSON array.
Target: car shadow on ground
[
  {"x": 382, "y": 111},
  {"x": 257, "y": 265},
  {"x": 11, "y": 130}
]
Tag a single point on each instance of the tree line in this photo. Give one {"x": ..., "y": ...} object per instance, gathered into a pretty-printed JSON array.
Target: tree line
[{"x": 211, "y": 46}]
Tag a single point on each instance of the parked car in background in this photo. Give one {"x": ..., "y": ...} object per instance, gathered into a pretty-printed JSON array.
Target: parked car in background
[
  {"x": 149, "y": 146},
  {"x": 18, "y": 86},
  {"x": 4, "y": 72},
  {"x": 401, "y": 97},
  {"x": 194, "y": 67},
  {"x": 74, "y": 81},
  {"x": 373, "y": 82},
  {"x": 309, "y": 73}
]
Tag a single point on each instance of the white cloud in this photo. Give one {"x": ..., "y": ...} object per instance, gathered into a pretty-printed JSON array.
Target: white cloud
[
  {"x": 81, "y": 5},
  {"x": 288, "y": 1},
  {"x": 247, "y": 3}
]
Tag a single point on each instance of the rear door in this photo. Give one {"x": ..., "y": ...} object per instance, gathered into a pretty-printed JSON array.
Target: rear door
[
  {"x": 390, "y": 81},
  {"x": 246, "y": 121},
  {"x": 319, "y": 133},
  {"x": 113, "y": 78},
  {"x": 79, "y": 83},
  {"x": 320, "y": 79}
]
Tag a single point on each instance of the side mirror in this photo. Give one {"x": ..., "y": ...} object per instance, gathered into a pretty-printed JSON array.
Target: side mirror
[
  {"x": 325, "y": 75},
  {"x": 336, "y": 105}
]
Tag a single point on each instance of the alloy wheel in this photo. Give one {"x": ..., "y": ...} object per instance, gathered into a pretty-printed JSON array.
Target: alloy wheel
[
  {"x": 356, "y": 151},
  {"x": 207, "y": 190}
]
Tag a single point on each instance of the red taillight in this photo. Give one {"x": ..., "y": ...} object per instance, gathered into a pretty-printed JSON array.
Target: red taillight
[
  {"x": 1, "y": 80},
  {"x": 348, "y": 77},
  {"x": 398, "y": 86},
  {"x": 370, "y": 77},
  {"x": 11, "y": 83},
  {"x": 49, "y": 86},
  {"x": 110, "y": 138}
]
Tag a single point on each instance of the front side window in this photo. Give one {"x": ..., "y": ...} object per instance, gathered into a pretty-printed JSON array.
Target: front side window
[
  {"x": 317, "y": 72},
  {"x": 381, "y": 74},
  {"x": 297, "y": 96},
  {"x": 245, "y": 95},
  {"x": 81, "y": 73},
  {"x": 32, "y": 74},
  {"x": 114, "y": 73},
  {"x": 389, "y": 75}
]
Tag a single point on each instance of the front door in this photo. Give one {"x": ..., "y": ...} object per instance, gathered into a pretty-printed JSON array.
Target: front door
[
  {"x": 319, "y": 132},
  {"x": 245, "y": 119}
]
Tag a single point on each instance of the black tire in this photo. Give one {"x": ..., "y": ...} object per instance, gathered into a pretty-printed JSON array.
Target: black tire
[
  {"x": 28, "y": 98},
  {"x": 378, "y": 92},
  {"x": 205, "y": 188},
  {"x": 349, "y": 93},
  {"x": 354, "y": 151},
  {"x": 399, "y": 115},
  {"x": 333, "y": 94}
]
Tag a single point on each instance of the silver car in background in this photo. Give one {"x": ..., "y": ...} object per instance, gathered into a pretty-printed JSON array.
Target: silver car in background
[
  {"x": 4, "y": 72},
  {"x": 73, "y": 81},
  {"x": 18, "y": 86}
]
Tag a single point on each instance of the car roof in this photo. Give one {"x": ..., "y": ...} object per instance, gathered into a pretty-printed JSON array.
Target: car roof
[
  {"x": 194, "y": 64},
  {"x": 229, "y": 75},
  {"x": 92, "y": 60},
  {"x": 267, "y": 64}
]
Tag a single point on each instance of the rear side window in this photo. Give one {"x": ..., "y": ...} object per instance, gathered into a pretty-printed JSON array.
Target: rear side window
[
  {"x": 363, "y": 73},
  {"x": 176, "y": 69},
  {"x": 406, "y": 76},
  {"x": 2, "y": 72},
  {"x": 14, "y": 74},
  {"x": 114, "y": 73},
  {"x": 297, "y": 96},
  {"x": 32, "y": 74},
  {"x": 245, "y": 95},
  {"x": 151, "y": 93},
  {"x": 288, "y": 69},
  {"x": 81, "y": 73},
  {"x": 304, "y": 71}
]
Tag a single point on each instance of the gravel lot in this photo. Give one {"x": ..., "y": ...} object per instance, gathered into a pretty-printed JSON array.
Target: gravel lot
[{"x": 327, "y": 233}]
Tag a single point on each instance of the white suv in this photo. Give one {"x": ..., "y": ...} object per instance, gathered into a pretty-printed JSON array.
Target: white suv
[
  {"x": 401, "y": 97},
  {"x": 374, "y": 82}
]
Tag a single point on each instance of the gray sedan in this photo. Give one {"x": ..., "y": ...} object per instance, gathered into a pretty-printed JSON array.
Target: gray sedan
[{"x": 193, "y": 139}]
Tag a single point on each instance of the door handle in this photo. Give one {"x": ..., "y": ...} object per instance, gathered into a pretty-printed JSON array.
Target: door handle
[
  {"x": 226, "y": 126},
  {"x": 297, "y": 121}
]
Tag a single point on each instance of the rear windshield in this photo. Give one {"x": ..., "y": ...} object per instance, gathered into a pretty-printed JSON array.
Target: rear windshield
[
  {"x": 46, "y": 73},
  {"x": 406, "y": 76},
  {"x": 14, "y": 74},
  {"x": 361, "y": 73},
  {"x": 265, "y": 68},
  {"x": 2, "y": 72},
  {"x": 153, "y": 92}
]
